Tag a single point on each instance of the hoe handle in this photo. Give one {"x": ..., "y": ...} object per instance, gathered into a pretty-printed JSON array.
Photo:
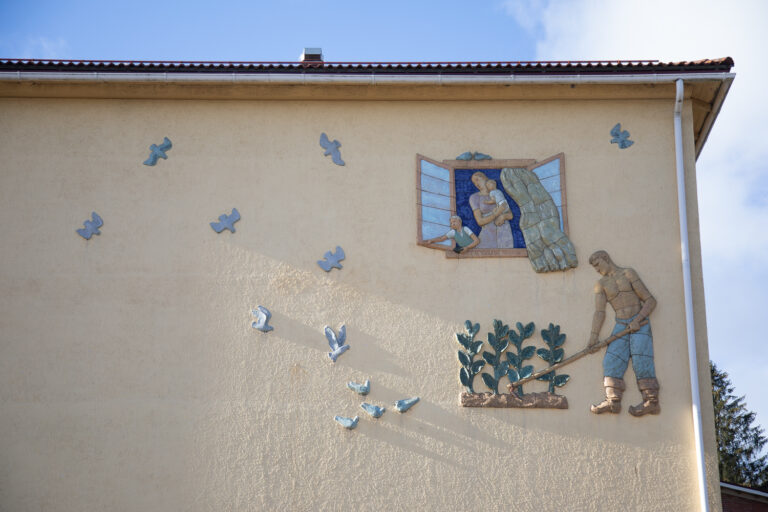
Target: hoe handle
[{"x": 574, "y": 357}]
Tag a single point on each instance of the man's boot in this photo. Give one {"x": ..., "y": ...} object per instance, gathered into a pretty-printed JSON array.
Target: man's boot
[
  {"x": 613, "y": 390},
  {"x": 650, "y": 391}
]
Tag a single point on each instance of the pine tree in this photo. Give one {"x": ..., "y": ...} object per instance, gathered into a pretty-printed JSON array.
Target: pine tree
[{"x": 738, "y": 442}]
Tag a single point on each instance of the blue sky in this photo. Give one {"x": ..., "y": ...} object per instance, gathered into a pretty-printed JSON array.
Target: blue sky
[
  {"x": 732, "y": 170},
  {"x": 262, "y": 31}
]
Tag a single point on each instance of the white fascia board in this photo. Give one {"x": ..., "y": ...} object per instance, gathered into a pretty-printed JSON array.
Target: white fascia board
[{"x": 355, "y": 79}]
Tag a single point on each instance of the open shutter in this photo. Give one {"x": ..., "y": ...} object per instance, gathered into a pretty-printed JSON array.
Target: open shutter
[
  {"x": 551, "y": 174},
  {"x": 435, "y": 200}
]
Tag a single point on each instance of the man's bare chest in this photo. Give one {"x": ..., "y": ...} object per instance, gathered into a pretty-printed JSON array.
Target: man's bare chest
[{"x": 614, "y": 286}]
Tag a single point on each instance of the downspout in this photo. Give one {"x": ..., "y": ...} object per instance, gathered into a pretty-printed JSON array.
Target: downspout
[{"x": 689, "y": 325}]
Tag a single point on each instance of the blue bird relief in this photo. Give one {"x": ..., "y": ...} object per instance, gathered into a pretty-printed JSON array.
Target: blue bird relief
[
  {"x": 226, "y": 221},
  {"x": 156, "y": 152},
  {"x": 360, "y": 389},
  {"x": 373, "y": 410},
  {"x": 336, "y": 342},
  {"x": 348, "y": 423},
  {"x": 91, "y": 226},
  {"x": 331, "y": 148},
  {"x": 332, "y": 259},
  {"x": 468, "y": 155},
  {"x": 262, "y": 315},
  {"x": 620, "y": 137},
  {"x": 405, "y": 404}
]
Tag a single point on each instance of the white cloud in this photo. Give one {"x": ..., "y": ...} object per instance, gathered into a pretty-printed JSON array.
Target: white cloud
[
  {"x": 526, "y": 13},
  {"x": 45, "y": 48},
  {"x": 733, "y": 167}
]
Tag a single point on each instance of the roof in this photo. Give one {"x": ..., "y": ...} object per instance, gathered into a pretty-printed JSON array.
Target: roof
[
  {"x": 737, "y": 497},
  {"x": 722, "y": 65}
]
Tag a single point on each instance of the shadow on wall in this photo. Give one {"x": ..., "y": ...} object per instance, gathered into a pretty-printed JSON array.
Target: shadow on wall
[{"x": 299, "y": 333}]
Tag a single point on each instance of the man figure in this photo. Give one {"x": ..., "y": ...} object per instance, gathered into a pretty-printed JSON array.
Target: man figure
[
  {"x": 463, "y": 236},
  {"x": 632, "y": 303}
]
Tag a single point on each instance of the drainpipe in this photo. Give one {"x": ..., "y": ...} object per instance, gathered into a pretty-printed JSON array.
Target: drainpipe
[{"x": 689, "y": 326}]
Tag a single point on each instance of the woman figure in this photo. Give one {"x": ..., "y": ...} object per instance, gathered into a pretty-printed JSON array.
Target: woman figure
[{"x": 495, "y": 231}]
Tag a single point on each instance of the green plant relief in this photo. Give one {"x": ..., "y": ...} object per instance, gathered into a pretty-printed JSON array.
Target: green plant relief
[
  {"x": 516, "y": 360},
  {"x": 498, "y": 340},
  {"x": 470, "y": 367},
  {"x": 553, "y": 355}
]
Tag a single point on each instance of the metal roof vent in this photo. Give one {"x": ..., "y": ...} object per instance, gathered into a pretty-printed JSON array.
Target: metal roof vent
[{"x": 312, "y": 55}]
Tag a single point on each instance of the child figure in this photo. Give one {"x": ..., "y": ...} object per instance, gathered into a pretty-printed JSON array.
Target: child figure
[
  {"x": 497, "y": 198},
  {"x": 463, "y": 236}
]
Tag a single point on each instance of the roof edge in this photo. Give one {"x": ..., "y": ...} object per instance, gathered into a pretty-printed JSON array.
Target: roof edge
[
  {"x": 709, "y": 121},
  {"x": 488, "y": 67},
  {"x": 356, "y": 79}
]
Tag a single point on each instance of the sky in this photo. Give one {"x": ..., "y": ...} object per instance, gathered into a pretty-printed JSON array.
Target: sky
[{"x": 732, "y": 169}]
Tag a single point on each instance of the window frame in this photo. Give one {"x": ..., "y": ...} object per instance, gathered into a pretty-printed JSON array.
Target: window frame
[{"x": 451, "y": 166}]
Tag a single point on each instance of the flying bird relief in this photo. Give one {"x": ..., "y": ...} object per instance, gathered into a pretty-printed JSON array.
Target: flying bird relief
[
  {"x": 348, "y": 423},
  {"x": 405, "y": 404},
  {"x": 331, "y": 148},
  {"x": 262, "y": 315},
  {"x": 332, "y": 259},
  {"x": 373, "y": 410},
  {"x": 156, "y": 151},
  {"x": 468, "y": 155},
  {"x": 360, "y": 389},
  {"x": 226, "y": 221},
  {"x": 336, "y": 342},
  {"x": 91, "y": 226},
  {"x": 620, "y": 137}
]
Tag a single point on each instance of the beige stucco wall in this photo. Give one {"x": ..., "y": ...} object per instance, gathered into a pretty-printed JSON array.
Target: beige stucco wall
[{"x": 130, "y": 378}]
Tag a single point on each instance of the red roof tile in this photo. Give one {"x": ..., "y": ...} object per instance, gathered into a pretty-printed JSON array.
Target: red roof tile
[{"x": 722, "y": 65}]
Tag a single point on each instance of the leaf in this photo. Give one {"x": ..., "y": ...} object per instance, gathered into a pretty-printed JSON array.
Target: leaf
[
  {"x": 475, "y": 329},
  {"x": 468, "y": 326},
  {"x": 521, "y": 329},
  {"x": 529, "y": 330},
  {"x": 491, "y": 339},
  {"x": 526, "y": 371},
  {"x": 545, "y": 336},
  {"x": 513, "y": 359},
  {"x": 500, "y": 329},
  {"x": 557, "y": 355},
  {"x": 560, "y": 340},
  {"x": 463, "y": 340},
  {"x": 464, "y": 358},
  {"x": 515, "y": 339},
  {"x": 513, "y": 375},
  {"x": 546, "y": 376},
  {"x": 502, "y": 345},
  {"x": 465, "y": 377},
  {"x": 489, "y": 358},
  {"x": 491, "y": 383},
  {"x": 477, "y": 366},
  {"x": 527, "y": 352},
  {"x": 561, "y": 380},
  {"x": 476, "y": 347},
  {"x": 544, "y": 354},
  {"x": 500, "y": 370}
]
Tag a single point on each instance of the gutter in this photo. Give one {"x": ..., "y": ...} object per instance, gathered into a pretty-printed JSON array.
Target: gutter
[
  {"x": 688, "y": 295},
  {"x": 356, "y": 79}
]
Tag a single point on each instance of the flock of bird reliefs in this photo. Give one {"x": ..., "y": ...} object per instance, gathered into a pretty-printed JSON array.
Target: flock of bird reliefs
[{"x": 464, "y": 212}]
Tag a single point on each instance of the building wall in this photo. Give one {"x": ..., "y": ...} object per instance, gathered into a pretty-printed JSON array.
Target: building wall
[
  {"x": 131, "y": 379},
  {"x": 743, "y": 501}
]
